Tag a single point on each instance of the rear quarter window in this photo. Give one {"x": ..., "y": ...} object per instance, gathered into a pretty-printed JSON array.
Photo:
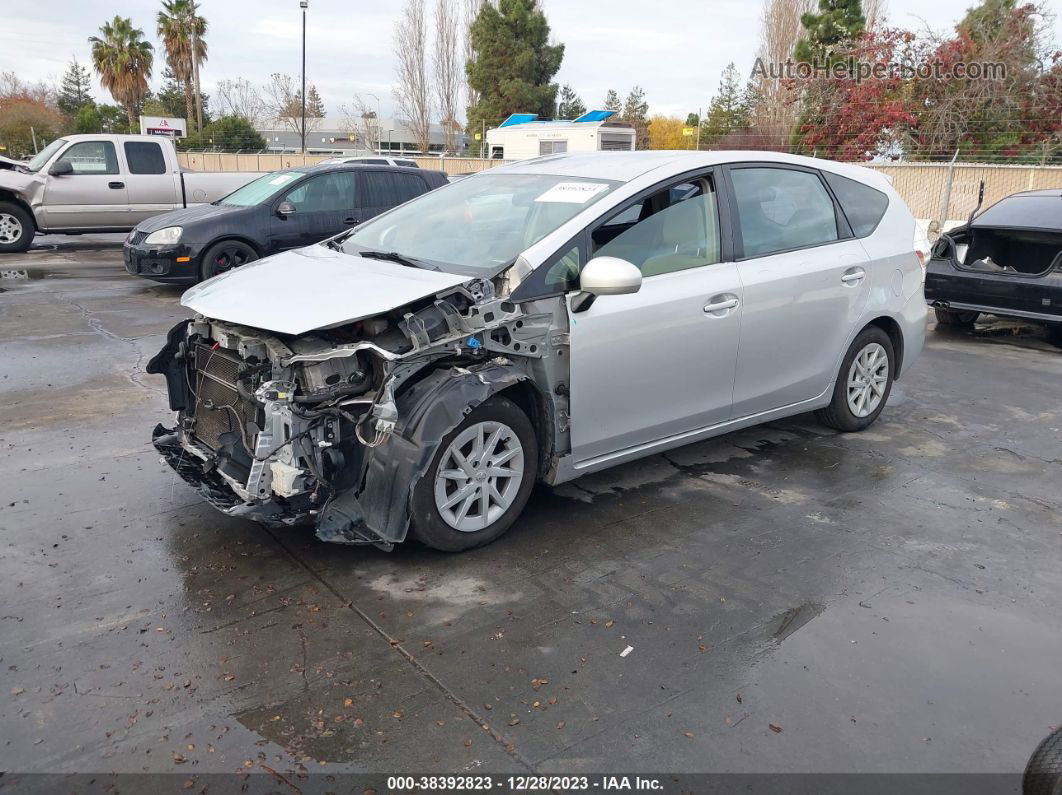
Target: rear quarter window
[
  {"x": 144, "y": 157},
  {"x": 862, "y": 205}
]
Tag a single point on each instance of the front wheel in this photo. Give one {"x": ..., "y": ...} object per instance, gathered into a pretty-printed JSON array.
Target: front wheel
[
  {"x": 222, "y": 257},
  {"x": 479, "y": 481},
  {"x": 863, "y": 382},
  {"x": 16, "y": 229}
]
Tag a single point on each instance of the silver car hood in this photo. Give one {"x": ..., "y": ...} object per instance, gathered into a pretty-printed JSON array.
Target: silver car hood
[{"x": 312, "y": 288}]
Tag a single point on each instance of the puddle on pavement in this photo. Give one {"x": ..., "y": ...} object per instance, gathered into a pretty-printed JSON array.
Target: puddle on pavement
[{"x": 794, "y": 619}]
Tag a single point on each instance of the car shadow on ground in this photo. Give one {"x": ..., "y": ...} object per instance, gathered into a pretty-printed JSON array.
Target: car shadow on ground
[{"x": 1004, "y": 331}]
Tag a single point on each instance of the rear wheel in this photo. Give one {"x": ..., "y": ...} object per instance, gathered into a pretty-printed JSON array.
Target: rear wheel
[
  {"x": 16, "y": 228},
  {"x": 955, "y": 317},
  {"x": 480, "y": 479},
  {"x": 1043, "y": 773},
  {"x": 222, "y": 257},
  {"x": 863, "y": 382}
]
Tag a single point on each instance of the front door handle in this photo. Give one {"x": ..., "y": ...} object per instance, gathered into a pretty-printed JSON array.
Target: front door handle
[
  {"x": 115, "y": 185},
  {"x": 720, "y": 304},
  {"x": 351, "y": 221},
  {"x": 853, "y": 276}
]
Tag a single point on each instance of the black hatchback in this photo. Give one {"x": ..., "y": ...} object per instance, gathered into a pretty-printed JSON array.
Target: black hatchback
[{"x": 283, "y": 210}]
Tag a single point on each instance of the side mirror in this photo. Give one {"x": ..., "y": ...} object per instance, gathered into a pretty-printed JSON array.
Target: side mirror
[
  {"x": 61, "y": 168},
  {"x": 284, "y": 209},
  {"x": 610, "y": 276}
]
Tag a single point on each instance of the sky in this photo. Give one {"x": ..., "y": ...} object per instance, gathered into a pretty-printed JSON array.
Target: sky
[{"x": 674, "y": 49}]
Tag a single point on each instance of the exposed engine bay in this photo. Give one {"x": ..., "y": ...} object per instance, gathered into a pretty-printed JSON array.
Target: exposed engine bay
[{"x": 336, "y": 425}]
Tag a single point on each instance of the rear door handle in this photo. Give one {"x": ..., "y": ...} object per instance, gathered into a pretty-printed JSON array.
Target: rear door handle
[
  {"x": 351, "y": 221},
  {"x": 853, "y": 276},
  {"x": 720, "y": 303},
  {"x": 115, "y": 185}
]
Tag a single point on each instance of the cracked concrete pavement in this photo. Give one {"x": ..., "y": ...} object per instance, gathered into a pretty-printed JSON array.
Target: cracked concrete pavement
[{"x": 887, "y": 600}]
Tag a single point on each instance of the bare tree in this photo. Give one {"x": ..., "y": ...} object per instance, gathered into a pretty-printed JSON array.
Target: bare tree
[
  {"x": 360, "y": 121},
  {"x": 283, "y": 104},
  {"x": 447, "y": 63},
  {"x": 779, "y": 31},
  {"x": 240, "y": 98},
  {"x": 874, "y": 12},
  {"x": 413, "y": 94}
]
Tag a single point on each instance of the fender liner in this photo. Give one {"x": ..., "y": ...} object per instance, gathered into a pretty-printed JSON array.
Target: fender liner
[
  {"x": 169, "y": 363},
  {"x": 427, "y": 411}
]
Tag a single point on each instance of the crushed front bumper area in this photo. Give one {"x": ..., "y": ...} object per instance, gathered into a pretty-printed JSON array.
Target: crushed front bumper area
[{"x": 341, "y": 521}]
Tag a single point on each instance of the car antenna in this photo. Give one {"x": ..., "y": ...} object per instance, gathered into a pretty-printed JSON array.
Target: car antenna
[{"x": 980, "y": 199}]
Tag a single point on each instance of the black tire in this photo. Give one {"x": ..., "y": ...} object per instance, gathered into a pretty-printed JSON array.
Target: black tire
[
  {"x": 223, "y": 256},
  {"x": 1054, "y": 334},
  {"x": 955, "y": 317},
  {"x": 1043, "y": 773},
  {"x": 16, "y": 228},
  {"x": 839, "y": 414},
  {"x": 428, "y": 525}
]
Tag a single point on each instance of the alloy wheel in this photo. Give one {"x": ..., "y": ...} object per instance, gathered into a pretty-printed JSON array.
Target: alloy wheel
[
  {"x": 10, "y": 228},
  {"x": 230, "y": 257},
  {"x": 867, "y": 379},
  {"x": 479, "y": 476}
]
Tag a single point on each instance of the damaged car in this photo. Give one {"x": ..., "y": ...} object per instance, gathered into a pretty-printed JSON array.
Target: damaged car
[
  {"x": 1006, "y": 261},
  {"x": 418, "y": 375}
]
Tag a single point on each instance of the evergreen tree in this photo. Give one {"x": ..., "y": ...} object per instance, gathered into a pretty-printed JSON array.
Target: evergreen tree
[
  {"x": 513, "y": 63},
  {"x": 612, "y": 101},
  {"x": 74, "y": 89},
  {"x": 88, "y": 120},
  {"x": 635, "y": 111},
  {"x": 314, "y": 104},
  {"x": 837, "y": 22},
  {"x": 728, "y": 110},
  {"x": 569, "y": 106}
]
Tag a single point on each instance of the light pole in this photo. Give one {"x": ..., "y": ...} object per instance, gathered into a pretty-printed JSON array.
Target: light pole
[
  {"x": 379, "y": 130},
  {"x": 303, "y": 4}
]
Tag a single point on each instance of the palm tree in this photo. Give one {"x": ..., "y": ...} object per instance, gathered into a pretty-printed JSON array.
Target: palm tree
[
  {"x": 122, "y": 58},
  {"x": 181, "y": 30}
]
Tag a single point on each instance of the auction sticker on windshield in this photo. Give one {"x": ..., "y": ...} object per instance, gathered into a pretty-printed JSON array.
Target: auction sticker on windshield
[
  {"x": 572, "y": 192},
  {"x": 280, "y": 179}
]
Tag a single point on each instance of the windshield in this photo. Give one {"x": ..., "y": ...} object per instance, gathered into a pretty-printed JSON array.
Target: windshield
[
  {"x": 45, "y": 155},
  {"x": 257, "y": 191},
  {"x": 479, "y": 224}
]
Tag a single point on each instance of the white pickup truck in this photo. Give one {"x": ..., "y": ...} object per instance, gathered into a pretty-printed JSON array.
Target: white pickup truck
[{"x": 101, "y": 183}]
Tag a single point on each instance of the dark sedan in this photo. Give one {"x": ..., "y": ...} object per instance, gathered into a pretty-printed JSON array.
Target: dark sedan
[
  {"x": 1006, "y": 261},
  {"x": 283, "y": 210}
]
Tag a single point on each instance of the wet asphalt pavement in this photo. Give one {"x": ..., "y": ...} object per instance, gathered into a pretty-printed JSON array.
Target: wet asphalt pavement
[{"x": 796, "y": 599}]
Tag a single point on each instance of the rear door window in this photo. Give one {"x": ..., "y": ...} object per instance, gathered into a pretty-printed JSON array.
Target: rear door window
[
  {"x": 324, "y": 193},
  {"x": 144, "y": 157},
  {"x": 780, "y": 209},
  {"x": 408, "y": 186},
  {"x": 377, "y": 189},
  {"x": 862, "y": 205}
]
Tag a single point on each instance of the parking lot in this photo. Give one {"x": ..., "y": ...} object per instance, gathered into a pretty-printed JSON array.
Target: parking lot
[{"x": 792, "y": 599}]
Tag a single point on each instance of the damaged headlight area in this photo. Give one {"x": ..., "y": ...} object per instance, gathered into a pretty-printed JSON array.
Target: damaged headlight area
[{"x": 334, "y": 426}]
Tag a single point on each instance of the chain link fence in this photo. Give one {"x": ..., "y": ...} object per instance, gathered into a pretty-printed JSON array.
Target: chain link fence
[{"x": 942, "y": 192}]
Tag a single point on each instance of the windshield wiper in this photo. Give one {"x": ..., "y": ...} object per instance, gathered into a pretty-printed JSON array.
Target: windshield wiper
[{"x": 394, "y": 256}]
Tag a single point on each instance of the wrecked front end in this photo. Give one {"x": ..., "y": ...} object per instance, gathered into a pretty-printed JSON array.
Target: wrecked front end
[{"x": 334, "y": 427}]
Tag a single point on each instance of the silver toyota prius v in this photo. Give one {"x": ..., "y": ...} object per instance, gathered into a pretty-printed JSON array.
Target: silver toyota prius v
[{"x": 419, "y": 373}]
